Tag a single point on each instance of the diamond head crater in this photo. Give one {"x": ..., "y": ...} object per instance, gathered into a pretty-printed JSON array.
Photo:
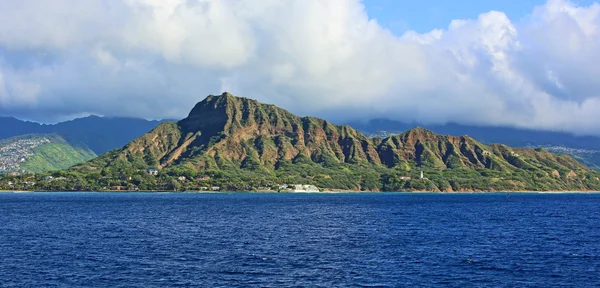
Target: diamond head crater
[{"x": 230, "y": 143}]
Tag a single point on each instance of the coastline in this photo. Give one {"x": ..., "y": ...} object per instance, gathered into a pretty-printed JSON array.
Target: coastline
[{"x": 320, "y": 192}]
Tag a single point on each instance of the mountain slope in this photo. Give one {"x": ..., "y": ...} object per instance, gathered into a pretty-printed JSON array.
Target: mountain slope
[
  {"x": 583, "y": 148},
  {"x": 591, "y": 160},
  {"x": 240, "y": 142},
  {"x": 227, "y": 130},
  {"x": 36, "y": 153},
  {"x": 100, "y": 134},
  {"x": 12, "y": 127},
  {"x": 514, "y": 137}
]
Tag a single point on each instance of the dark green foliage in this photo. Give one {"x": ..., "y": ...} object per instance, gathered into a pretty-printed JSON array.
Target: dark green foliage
[
  {"x": 52, "y": 155},
  {"x": 251, "y": 163},
  {"x": 239, "y": 144}
]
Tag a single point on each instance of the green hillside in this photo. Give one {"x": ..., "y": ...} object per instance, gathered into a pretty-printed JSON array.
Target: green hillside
[
  {"x": 56, "y": 156},
  {"x": 591, "y": 160},
  {"x": 38, "y": 153},
  {"x": 242, "y": 144}
]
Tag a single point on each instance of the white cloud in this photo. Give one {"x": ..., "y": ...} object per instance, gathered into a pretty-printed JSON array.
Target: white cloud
[
  {"x": 3, "y": 93},
  {"x": 156, "y": 58},
  {"x": 203, "y": 33}
]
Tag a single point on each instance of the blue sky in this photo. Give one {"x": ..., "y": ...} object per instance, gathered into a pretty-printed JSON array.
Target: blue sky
[{"x": 424, "y": 16}]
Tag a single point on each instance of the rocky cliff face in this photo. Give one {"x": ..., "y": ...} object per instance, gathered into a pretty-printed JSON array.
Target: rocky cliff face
[
  {"x": 233, "y": 132},
  {"x": 431, "y": 150},
  {"x": 237, "y": 130}
]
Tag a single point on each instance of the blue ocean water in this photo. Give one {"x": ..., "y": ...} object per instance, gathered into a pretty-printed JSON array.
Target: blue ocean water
[{"x": 299, "y": 240}]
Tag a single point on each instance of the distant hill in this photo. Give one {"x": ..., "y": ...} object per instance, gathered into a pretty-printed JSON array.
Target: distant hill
[
  {"x": 584, "y": 148},
  {"x": 100, "y": 134},
  {"x": 239, "y": 143},
  {"x": 37, "y": 153},
  {"x": 487, "y": 134}
]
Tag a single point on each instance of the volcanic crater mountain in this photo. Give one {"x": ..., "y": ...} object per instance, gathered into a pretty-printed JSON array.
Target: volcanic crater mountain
[{"x": 239, "y": 140}]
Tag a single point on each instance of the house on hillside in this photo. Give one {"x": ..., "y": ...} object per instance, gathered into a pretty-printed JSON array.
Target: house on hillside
[
  {"x": 203, "y": 178},
  {"x": 152, "y": 171}
]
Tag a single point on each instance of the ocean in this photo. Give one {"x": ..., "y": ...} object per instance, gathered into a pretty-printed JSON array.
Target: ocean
[{"x": 299, "y": 240}]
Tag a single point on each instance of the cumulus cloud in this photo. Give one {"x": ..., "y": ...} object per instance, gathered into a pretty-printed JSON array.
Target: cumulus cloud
[{"x": 156, "y": 58}]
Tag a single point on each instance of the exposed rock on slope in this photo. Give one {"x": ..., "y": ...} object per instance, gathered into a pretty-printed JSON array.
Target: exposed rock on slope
[{"x": 233, "y": 133}]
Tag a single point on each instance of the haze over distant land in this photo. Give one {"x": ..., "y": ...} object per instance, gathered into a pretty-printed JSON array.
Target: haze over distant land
[
  {"x": 531, "y": 67},
  {"x": 229, "y": 143},
  {"x": 98, "y": 134},
  {"x": 240, "y": 144}
]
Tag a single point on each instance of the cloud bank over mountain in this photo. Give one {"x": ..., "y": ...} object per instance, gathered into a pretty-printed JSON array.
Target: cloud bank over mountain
[{"x": 156, "y": 58}]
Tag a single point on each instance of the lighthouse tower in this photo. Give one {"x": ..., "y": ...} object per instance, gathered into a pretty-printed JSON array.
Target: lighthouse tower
[{"x": 421, "y": 174}]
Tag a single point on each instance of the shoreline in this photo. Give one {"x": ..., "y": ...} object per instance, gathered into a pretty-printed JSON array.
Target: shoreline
[{"x": 321, "y": 192}]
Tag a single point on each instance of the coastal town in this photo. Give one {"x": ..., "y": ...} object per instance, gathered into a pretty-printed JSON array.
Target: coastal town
[
  {"x": 153, "y": 180},
  {"x": 569, "y": 151},
  {"x": 143, "y": 180},
  {"x": 14, "y": 153}
]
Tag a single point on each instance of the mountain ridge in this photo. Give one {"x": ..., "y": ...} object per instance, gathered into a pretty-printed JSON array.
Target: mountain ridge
[
  {"x": 515, "y": 137},
  {"x": 588, "y": 157},
  {"x": 237, "y": 120},
  {"x": 246, "y": 138},
  {"x": 100, "y": 134}
]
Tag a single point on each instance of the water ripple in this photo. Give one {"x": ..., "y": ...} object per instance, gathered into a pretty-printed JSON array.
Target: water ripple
[{"x": 273, "y": 240}]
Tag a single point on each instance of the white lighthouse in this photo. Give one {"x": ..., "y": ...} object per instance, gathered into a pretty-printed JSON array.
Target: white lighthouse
[{"x": 421, "y": 174}]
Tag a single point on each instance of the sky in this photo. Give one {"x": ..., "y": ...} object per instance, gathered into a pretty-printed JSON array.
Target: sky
[
  {"x": 400, "y": 16},
  {"x": 528, "y": 64}
]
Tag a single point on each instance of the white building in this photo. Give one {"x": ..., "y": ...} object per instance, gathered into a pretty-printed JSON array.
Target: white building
[
  {"x": 152, "y": 171},
  {"x": 305, "y": 188}
]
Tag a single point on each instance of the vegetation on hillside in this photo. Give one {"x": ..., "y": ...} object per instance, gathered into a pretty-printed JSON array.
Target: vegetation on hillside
[
  {"x": 99, "y": 134},
  {"x": 37, "y": 153},
  {"x": 240, "y": 144},
  {"x": 355, "y": 177},
  {"x": 56, "y": 156},
  {"x": 591, "y": 160}
]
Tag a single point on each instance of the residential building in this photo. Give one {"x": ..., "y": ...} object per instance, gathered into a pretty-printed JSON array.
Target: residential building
[{"x": 152, "y": 171}]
